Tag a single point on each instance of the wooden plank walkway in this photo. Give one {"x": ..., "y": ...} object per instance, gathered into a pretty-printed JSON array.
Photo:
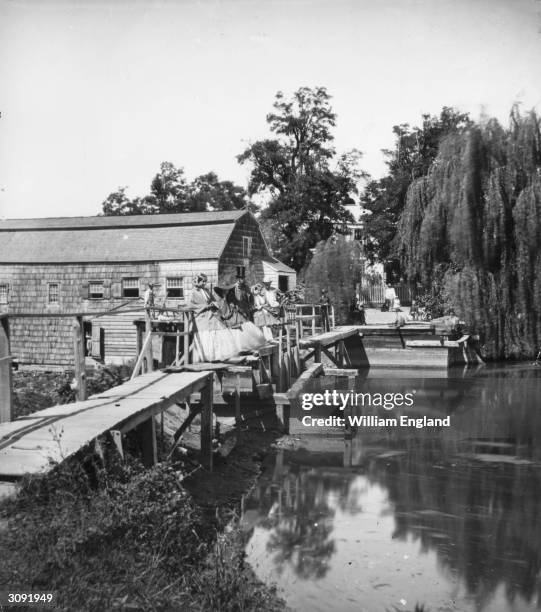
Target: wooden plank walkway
[
  {"x": 32, "y": 444},
  {"x": 410, "y": 329},
  {"x": 331, "y": 337}
]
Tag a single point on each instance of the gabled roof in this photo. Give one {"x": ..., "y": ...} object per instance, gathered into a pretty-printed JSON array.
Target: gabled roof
[
  {"x": 200, "y": 218},
  {"x": 278, "y": 265},
  {"x": 117, "y": 239}
]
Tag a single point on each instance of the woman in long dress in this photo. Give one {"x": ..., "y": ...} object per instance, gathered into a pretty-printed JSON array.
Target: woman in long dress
[
  {"x": 266, "y": 311},
  {"x": 235, "y": 310},
  {"x": 213, "y": 341}
]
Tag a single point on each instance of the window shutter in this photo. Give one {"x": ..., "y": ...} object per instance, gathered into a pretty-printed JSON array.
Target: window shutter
[
  {"x": 84, "y": 291},
  {"x": 115, "y": 290},
  {"x": 107, "y": 289},
  {"x": 97, "y": 342}
]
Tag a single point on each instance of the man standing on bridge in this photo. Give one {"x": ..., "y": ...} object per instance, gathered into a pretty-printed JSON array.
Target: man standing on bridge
[{"x": 325, "y": 307}]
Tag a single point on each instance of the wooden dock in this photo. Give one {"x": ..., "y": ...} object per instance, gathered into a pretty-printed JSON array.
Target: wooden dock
[
  {"x": 415, "y": 345},
  {"x": 336, "y": 345},
  {"x": 34, "y": 444}
]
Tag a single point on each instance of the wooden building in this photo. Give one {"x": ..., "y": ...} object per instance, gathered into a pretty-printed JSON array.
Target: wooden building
[{"x": 97, "y": 264}]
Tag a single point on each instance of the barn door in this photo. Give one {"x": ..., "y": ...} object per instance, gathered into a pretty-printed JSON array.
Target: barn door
[{"x": 97, "y": 342}]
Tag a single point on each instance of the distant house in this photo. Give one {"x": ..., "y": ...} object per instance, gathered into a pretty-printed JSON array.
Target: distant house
[{"x": 96, "y": 264}]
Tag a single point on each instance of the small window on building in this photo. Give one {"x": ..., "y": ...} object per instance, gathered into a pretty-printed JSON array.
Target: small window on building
[
  {"x": 246, "y": 246},
  {"x": 95, "y": 290},
  {"x": 53, "y": 293},
  {"x": 358, "y": 234},
  {"x": 130, "y": 287},
  {"x": 174, "y": 287},
  {"x": 241, "y": 271},
  {"x": 4, "y": 294}
]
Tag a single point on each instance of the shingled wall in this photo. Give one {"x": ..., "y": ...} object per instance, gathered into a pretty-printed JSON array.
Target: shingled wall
[
  {"x": 49, "y": 340},
  {"x": 233, "y": 254}
]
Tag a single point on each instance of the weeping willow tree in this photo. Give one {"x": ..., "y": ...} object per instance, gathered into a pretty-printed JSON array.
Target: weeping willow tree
[
  {"x": 335, "y": 266},
  {"x": 473, "y": 224}
]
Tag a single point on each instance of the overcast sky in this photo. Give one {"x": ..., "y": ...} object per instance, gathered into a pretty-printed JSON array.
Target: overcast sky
[{"x": 94, "y": 95}]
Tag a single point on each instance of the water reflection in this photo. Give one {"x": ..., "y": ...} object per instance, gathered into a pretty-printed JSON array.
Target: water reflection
[{"x": 449, "y": 517}]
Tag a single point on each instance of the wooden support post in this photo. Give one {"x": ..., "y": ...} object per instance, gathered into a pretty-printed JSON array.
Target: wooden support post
[
  {"x": 79, "y": 359},
  {"x": 236, "y": 400},
  {"x": 289, "y": 356},
  {"x": 317, "y": 353},
  {"x": 206, "y": 423},
  {"x": 282, "y": 416},
  {"x": 296, "y": 353},
  {"x": 148, "y": 330},
  {"x": 186, "y": 338},
  {"x": 313, "y": 320},
  {"x": 116, "y": 437},
  {"x": 148, "y": 439},
  {"x": 275, "y": 366},
  {"x": 286, "y": 367},
  {"x": 177, "y": 350},
  {"x": 340, "y": 353},
  {"x": 279, "y": 384},
  {"x": 6, "y": 383},
  {"x": 139, "y": 342},
  {"x": 297, "y": 359},
  {"x": 347, "y": 358},
  {"x": 139, "y": 362}
]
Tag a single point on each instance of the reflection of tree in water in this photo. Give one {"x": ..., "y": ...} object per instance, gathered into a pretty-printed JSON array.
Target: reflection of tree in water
[
  {"x": 482, "y": 518},
  {"x": 299, "y": 511},
  {"x": 480, "y": 512}
]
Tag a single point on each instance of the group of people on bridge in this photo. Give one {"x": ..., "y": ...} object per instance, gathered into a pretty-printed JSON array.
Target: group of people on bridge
[{"x": 232, "y": 320}]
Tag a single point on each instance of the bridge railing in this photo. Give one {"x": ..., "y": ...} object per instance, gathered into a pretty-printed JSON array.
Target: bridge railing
[
  {"x": 309, "y": 318},
  {"x": 182, "y": 318}
]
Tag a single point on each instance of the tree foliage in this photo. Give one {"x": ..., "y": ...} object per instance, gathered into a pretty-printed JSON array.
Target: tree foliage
[
  {"x": 474, "y": 223},
  {"x": 414, "y": 151},
  {"x": 170, "y": 192},
  {"x": 335, "y": 266},
  {"x": 307, "y": 195}
]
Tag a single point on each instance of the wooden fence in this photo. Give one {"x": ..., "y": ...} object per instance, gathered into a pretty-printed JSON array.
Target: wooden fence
[{"x": 374, "y": 295}]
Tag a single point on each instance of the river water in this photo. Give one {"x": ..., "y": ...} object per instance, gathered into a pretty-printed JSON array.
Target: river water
[{"x": 381, "y": 518}]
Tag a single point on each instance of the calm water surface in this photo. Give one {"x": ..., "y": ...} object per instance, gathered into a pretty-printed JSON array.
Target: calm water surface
[{"x": 382, "y": 518}]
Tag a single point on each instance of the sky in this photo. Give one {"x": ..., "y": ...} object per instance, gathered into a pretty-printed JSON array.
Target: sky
[{"x": 95, "y": 95}]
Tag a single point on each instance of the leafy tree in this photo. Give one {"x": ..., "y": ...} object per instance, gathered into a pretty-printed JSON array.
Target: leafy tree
[
  {"x": 170, "y": 192},
  {"x": 118, "y": 203},
  {"x": 335, "y": 266},
  {"x": 414, "y": 151},
  {"x": 473, "y": 226},
  {"x": 207, "y": 192},
  {"x": 307, "y": 197}
]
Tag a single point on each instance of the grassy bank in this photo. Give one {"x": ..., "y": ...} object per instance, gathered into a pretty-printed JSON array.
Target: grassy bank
[
  {"x": 128, "y": 538},
  {"x": 37, "y": 389},
  {"x": 125, "y": 538}
]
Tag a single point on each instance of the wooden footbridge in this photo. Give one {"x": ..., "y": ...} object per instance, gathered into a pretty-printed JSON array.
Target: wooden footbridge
[
  {"x": 266, "y": 381},
  {"x": 36, "y": 443}
]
